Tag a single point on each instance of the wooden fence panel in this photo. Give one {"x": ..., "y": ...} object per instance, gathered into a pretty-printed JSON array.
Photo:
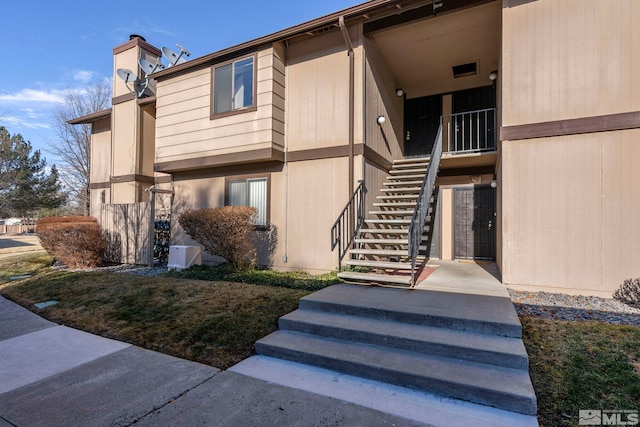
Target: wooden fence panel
[{"x": 129, "y": 233}]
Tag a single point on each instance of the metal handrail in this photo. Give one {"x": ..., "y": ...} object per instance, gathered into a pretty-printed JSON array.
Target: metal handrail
[
  {"x": 346, "y": 227},
  {"x": 471, "y": 131},
  {"x": 416, "y": 227}
]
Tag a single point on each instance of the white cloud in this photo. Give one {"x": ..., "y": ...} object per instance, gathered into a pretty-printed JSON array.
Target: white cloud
[
  {"x": 22, "y": 122},
  {"x": 83, "y": 76},
  {"x": 31, "y": 95}
]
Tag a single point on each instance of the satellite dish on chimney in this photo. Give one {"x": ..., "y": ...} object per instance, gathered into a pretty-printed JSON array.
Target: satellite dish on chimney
[
  {"x": 149, "y": 67},
  {"x": 138, "y": 86},
  {"x": 175, "y": 58},
  {"x": 127, "y": 75}
]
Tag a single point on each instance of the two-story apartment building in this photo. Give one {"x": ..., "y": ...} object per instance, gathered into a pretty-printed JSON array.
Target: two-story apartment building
[{"x": 535, "y": 105}]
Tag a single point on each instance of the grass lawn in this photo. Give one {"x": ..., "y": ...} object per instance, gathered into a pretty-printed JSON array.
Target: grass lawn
[
  {"x": 573, "y": 365},
  {"x": 215, "y": 323}
]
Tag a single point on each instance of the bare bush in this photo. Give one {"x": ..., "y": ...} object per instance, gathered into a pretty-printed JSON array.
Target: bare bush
[
  {"x": 226, "y": 232},
  {"x": 629, "y": 292},
  {"x": 77, "y": 242}
]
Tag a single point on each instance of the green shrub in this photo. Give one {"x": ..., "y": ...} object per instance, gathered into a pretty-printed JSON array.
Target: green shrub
[
  {"x": 629, "y": 292},
  {"x": 226, "y": 232},
  {"x": 77, "y": 242}
]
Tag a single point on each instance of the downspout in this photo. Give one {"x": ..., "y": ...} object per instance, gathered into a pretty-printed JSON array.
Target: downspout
[
  {"x": 347, "y": 41},
  {"x": 286, "y": 152}
]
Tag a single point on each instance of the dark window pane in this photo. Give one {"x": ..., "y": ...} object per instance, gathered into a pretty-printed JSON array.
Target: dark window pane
[{"x": 222, "y": 89}]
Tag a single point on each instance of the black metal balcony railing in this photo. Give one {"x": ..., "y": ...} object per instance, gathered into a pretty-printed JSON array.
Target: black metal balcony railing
[{"x": 469, "y": 132}]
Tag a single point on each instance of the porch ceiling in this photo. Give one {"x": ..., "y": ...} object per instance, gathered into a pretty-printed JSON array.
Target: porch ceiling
[{"x": 421, "y": 53}]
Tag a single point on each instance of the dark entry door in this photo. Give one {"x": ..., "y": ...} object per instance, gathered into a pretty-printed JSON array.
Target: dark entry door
[
  {"x": 422, "y": 119},
  {"x": 474, "y": 222}
]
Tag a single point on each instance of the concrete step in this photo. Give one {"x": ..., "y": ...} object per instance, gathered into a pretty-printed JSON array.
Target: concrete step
[
  {"x": 416, "y": 407},
  {"x": 382, "y": 265},
  {"x": 470, "y": 346},
  {"x": 374, "y": 278},
  {"x": 503, "y": 388},
  {"x": 467, "y": 312}
]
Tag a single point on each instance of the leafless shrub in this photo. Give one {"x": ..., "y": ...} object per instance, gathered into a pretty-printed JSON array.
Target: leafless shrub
[
  {"x": 75, "y": 241},
  {"x": 226, "y": 232},
  {"x": 629, "y": 292}
]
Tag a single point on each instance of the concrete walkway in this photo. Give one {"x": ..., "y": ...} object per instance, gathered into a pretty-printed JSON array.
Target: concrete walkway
[
  {"x": 55, "y": 375},
  {"x": 466, "y": 277},
  {"x": 20, "y": 244}
]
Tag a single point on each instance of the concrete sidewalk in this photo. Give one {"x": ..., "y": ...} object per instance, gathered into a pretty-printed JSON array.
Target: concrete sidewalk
[{"x": 55, "y": 375}]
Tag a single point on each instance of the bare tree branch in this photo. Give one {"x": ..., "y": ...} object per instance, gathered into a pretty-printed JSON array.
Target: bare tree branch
[{"x": 73, "y": 146}]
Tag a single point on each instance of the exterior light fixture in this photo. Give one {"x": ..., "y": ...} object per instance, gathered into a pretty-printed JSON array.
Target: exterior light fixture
[
  {"x": 494, "y": 184},
  {"x": 381, "y": 120},
  {"x": 399, "y": 92},
  {"x": 493, "y": 76}
]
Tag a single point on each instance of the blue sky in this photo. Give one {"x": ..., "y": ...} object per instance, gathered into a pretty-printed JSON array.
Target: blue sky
[{"x": 49, "y": 47}]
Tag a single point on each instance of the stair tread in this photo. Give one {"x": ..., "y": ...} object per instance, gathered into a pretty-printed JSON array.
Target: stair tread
[
  {"x": 413, "y": 171},
  {"x": 387, "y": 221},
  {"x": 417, "y": 335},
  {"x": 374, "y": 278},
  {"x": 383, "y": 241},
  {"x": 399, "y": 212},
  {"x": 382, "y": 252},
  {"x": 399, "y": 197},
  {"x": 397, "y": 231},
  {"x": 403, "y": 177},
  {"x": 400, "y": 183},
  {"x": 394, "y": 205},
  {"x": 401, "y": 189},
  {"x": 496, "y": 386},
  {"x": 387, "y": 265},
  {"x": 412, "y": 159}
]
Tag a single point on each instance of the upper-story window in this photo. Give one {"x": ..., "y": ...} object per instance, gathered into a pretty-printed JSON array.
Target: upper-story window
[{"x": 233, "y": 86}]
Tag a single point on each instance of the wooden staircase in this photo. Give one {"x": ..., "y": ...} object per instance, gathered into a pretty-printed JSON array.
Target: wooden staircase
[{"x": 380, "y": 251}]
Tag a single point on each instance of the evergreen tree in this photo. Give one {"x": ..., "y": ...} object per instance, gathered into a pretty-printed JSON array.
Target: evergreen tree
[{"x": 25, "y": 185}]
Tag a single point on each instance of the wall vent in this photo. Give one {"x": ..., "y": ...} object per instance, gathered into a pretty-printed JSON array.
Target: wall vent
[{"x": 464, "y": 70}]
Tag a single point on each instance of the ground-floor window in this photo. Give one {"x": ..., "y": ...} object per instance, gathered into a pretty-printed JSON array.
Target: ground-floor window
[{"x": 252, "y": 192}]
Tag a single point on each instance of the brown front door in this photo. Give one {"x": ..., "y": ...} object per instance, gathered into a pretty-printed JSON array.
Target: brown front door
[{"x": 474, "y": 222}]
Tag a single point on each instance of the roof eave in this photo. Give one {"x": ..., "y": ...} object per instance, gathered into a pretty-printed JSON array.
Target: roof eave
[
  {"x": 90, "y": 118},
  {"x": 352, "y": 12}
]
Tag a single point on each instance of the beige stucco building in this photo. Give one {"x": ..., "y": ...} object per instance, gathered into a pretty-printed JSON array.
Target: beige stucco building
[{"x": 538, "y": 102}]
